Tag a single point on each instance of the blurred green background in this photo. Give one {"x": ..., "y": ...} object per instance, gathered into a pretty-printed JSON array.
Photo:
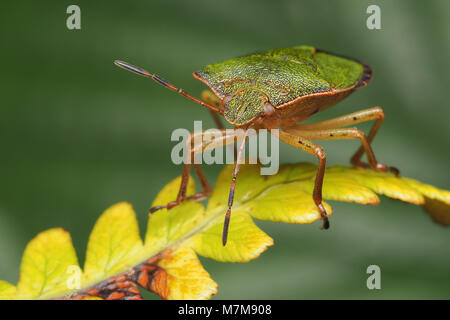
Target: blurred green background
[{"x": 78, "y": 134}]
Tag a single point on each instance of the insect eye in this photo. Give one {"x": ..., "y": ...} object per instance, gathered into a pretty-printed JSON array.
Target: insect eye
[{"x": 268, "y": 109}]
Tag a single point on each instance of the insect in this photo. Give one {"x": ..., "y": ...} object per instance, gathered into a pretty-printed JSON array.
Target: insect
[{"x": 280, "y": 88}]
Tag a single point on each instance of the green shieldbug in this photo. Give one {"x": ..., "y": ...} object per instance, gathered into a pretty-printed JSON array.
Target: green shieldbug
[{"x": 278, "y": 89}]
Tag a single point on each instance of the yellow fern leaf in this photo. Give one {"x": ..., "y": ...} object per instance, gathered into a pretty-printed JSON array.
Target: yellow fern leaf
[{"x": 117, "y": 260}]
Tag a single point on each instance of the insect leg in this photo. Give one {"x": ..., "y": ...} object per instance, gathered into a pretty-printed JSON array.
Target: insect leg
[
  {"x": 300, "y": 142},
  {"x": 211, "y": 99},
  {"x": 226, "y": 222},
  {"x": 375, "y": 113},
  {"x": 344, "y": 133},
  {"x": 185, "y": 175},
  {"x": 349, "y": 119},
  {"x": 222, "y": 138},
  {"x": 206, "y": 188},
  {"x": 217, "y": 120}
]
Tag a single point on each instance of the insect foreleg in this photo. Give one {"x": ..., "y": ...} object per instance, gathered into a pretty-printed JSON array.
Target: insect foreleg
[
  {"x": 232, "y": 188},
  {"x": 197, "y": 143}
]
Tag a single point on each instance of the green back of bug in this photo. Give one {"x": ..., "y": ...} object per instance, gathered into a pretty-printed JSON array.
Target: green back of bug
[{"x": 279, "y": 76}]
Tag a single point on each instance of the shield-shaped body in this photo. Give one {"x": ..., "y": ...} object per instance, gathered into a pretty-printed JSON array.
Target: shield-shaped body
[{"x": 297, "y": 82}]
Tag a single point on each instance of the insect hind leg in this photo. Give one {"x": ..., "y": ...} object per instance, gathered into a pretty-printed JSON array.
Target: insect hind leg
[{"x": 375, "y": 113}]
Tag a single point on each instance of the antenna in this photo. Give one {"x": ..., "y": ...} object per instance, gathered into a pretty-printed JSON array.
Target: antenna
[{"x": 145, "y": 73}]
